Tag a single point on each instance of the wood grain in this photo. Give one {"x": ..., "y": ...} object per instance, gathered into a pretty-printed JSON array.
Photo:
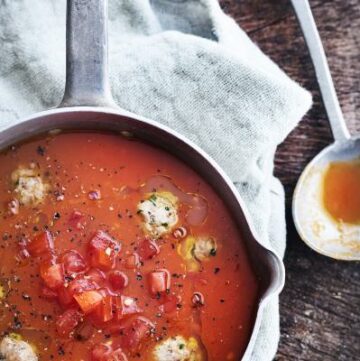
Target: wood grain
[{"x": 320, "y": 306}]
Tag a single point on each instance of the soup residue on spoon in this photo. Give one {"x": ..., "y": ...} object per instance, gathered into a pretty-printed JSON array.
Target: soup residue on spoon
[
  {"x": 329, "y": 208},
  {"x": 341, "y": 191}
]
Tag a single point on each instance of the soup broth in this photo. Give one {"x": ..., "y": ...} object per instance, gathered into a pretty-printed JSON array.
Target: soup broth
[{"x": 112, "y": 249}]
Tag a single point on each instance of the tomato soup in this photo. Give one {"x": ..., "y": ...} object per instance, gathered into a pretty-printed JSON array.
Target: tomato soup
[{"x": 112, "y": 249}]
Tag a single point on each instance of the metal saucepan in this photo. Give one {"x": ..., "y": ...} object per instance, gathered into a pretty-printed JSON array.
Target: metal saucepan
[{"x": 88, "y": 105}]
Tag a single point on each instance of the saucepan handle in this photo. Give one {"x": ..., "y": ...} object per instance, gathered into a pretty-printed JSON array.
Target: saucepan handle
[{"x": 87, "y": 78}]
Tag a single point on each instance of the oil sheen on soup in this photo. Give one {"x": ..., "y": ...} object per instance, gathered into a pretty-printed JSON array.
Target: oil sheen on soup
[{"x": 112, "y": 249}]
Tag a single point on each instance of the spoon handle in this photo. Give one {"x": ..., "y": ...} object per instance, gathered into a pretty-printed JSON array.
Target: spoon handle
[{"x": 312, "y": 38}]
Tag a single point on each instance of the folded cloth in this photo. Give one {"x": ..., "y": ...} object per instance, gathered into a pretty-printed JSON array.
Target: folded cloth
[{"x": 183, "y": 63}]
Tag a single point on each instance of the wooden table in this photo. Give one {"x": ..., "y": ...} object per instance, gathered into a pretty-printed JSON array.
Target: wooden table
[{"x": 320, "y": 306}]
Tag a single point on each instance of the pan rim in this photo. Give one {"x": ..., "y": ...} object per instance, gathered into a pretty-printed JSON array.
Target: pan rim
[{"x": 273, "y": 288}]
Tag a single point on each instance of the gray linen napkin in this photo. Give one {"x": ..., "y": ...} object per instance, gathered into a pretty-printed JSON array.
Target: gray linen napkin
[{"x": 183, "y": 63}]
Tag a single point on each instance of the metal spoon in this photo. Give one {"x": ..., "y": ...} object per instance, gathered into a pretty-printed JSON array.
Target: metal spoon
[{"x": 313, "y": 225}]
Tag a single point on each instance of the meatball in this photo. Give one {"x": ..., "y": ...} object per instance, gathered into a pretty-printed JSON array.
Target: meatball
[
  {"x": 178, "y": 349},
  {"x": 16, "y": 350},
  {"x": 159, "y": 212},
  {"x": 30, "y": 188}
]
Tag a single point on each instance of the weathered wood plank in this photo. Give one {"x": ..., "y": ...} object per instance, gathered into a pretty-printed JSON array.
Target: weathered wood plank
[
  {"x": 273, "y": 26},
  {"x": 320, "y": 306}
]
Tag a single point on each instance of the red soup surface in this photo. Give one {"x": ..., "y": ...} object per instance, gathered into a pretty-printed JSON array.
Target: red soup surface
[{"x": 112, "y": 249}]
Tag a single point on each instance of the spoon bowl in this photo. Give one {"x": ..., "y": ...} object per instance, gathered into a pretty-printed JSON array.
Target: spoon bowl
[{"x": 314, "y": 225}]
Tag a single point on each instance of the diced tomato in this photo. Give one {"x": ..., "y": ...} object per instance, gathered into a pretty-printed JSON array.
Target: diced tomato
[
  {"x": 65, "y": 297},
  {"x": 42, "y": 244},
  {"x": 136, "y": 331},
  {"x": 159, "y": 281},
  {"x": 118, "y": 280},
  {"x": 96, "y": 276},
  {"x": 75, "y": 220},
  {"x": 103, "y": 251},
  {"x": 52, "y": 274},
  {"x": 89, "y": 300},
  {"x": 73, "y": 262},
  {"x": 125, "y": 306},
  {"x": 48, "y": 293},
  {"x": 104, "y": 311},
  {"x": 169, "y": 303},
  {"x": 101, "y": 352},
  {"x": 75, "y": 287},
  {"x": 148, "y": 249},
  {"x": 103, "y": 258},
  {"x": 132, "y": 261},
  {"x": 67, "y": 322},
  {"x": 80, "y": 285}
]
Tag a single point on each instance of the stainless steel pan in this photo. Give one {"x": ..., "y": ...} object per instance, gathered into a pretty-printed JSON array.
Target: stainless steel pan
[{"x": 88, "y": 105}]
